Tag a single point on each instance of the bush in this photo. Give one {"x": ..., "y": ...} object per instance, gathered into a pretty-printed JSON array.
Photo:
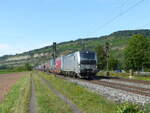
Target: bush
[
  {"x": 147, "y": 70},
  {"x": 3, "y": 67},
  {"x": 28, "y": 67},
  {"x": 129, "y": 108},
  {"x": 147, "y": 108}
]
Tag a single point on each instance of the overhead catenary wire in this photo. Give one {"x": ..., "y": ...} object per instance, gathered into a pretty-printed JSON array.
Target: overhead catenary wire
[
  {"x": 123, "y": 4},
  {"x": 118, "y": 15},
  {"x": 145, "y": 25}
]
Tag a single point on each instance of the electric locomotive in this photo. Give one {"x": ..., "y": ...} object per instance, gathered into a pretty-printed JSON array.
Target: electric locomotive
[{"x": 80, "y": 64}]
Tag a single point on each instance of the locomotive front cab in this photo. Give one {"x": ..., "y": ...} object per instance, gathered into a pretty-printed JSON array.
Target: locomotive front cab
[{"x": 88, "y": 60}]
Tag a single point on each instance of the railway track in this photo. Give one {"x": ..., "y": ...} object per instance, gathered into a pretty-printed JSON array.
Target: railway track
[
  {"x": 129, "y": 88},
  {"x": 132, "y": 89},
  {"x": 126, "y": 80}
]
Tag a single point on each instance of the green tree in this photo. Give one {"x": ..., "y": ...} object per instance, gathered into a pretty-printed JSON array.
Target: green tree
[
  {"x": 137, "y": 52},
  {"x": 3, "y": 67},
  {"x": 101, "y": 57},
  {"x": 113, "y": 63},
  {"x": 28, "y": 67}
]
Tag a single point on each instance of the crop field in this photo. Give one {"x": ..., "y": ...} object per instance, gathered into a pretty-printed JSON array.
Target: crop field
[
  {"x": 6, "y": 82},
  {"x": 15, "y": 90},
  {"x": 38, "y": 92}
]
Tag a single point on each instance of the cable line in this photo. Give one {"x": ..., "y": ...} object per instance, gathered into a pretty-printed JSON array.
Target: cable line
[{"x": 120, "y": 14}]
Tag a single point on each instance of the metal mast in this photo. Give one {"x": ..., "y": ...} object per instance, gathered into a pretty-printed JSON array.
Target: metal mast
[
  {"x": 54, "y": 51},
  {"x": 107, "y": 57}
]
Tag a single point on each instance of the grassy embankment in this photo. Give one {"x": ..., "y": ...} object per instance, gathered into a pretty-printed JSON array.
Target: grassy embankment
[
  {"x": 125, "y": 75},
  {"x": 87, "y": 101},
  {"x": 47, "y": 101},
  {"x": 7, "y": 71},
  {"x": 17, "y": 100}
]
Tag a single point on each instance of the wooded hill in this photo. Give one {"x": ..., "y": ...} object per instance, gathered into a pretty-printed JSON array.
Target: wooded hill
[{"x": 118, "y": 41}]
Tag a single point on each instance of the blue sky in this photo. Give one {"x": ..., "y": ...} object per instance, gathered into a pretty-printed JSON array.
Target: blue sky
[{"x": 30, "y": 24}]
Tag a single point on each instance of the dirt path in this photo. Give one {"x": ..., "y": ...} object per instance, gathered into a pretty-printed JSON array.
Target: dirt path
[
  {"x": 6, "y": 82},
  {"x": 33, "y": 104},
  {"x": 74, "y": 108}
]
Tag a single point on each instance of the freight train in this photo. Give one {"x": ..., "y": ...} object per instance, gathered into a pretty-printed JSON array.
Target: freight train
[{"x": 80, "y": 64}]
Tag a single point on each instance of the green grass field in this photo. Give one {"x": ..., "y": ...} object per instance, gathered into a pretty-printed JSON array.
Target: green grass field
[
  {"x": 86, "y": 100},
  {"x": 47, "y": 101},
  {"x": 18, "y": 98},
  {"x": 7, "y": 71},
  {"x": 125, "y": 75}
]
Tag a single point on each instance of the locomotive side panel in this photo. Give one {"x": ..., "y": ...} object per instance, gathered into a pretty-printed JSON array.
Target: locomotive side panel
[{"x": 70, "y": 63}]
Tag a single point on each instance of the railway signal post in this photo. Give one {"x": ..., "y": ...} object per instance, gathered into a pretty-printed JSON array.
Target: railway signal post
[
  {"x": 54, "y": 51},
  {"x": 107, "y": 58},
  {"x": 54, "y": 54}
]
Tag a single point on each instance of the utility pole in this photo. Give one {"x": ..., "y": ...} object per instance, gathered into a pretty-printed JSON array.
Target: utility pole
[
  {"x": 54, "y": 52},
  {"x": 107, "y": 57},
  {"x": 83, "y": 45}
]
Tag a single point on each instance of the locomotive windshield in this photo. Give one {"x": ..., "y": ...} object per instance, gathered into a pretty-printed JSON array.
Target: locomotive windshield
[
  {"x": 88, "y": 55},
  {"x": 88, "y": 62}
]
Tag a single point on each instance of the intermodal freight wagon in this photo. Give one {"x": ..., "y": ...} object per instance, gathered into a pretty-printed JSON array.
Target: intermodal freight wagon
[{"x": 78, "y": 64}]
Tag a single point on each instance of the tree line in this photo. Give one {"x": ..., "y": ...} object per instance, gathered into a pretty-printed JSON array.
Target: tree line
[{"x": 136, "y": 55}]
